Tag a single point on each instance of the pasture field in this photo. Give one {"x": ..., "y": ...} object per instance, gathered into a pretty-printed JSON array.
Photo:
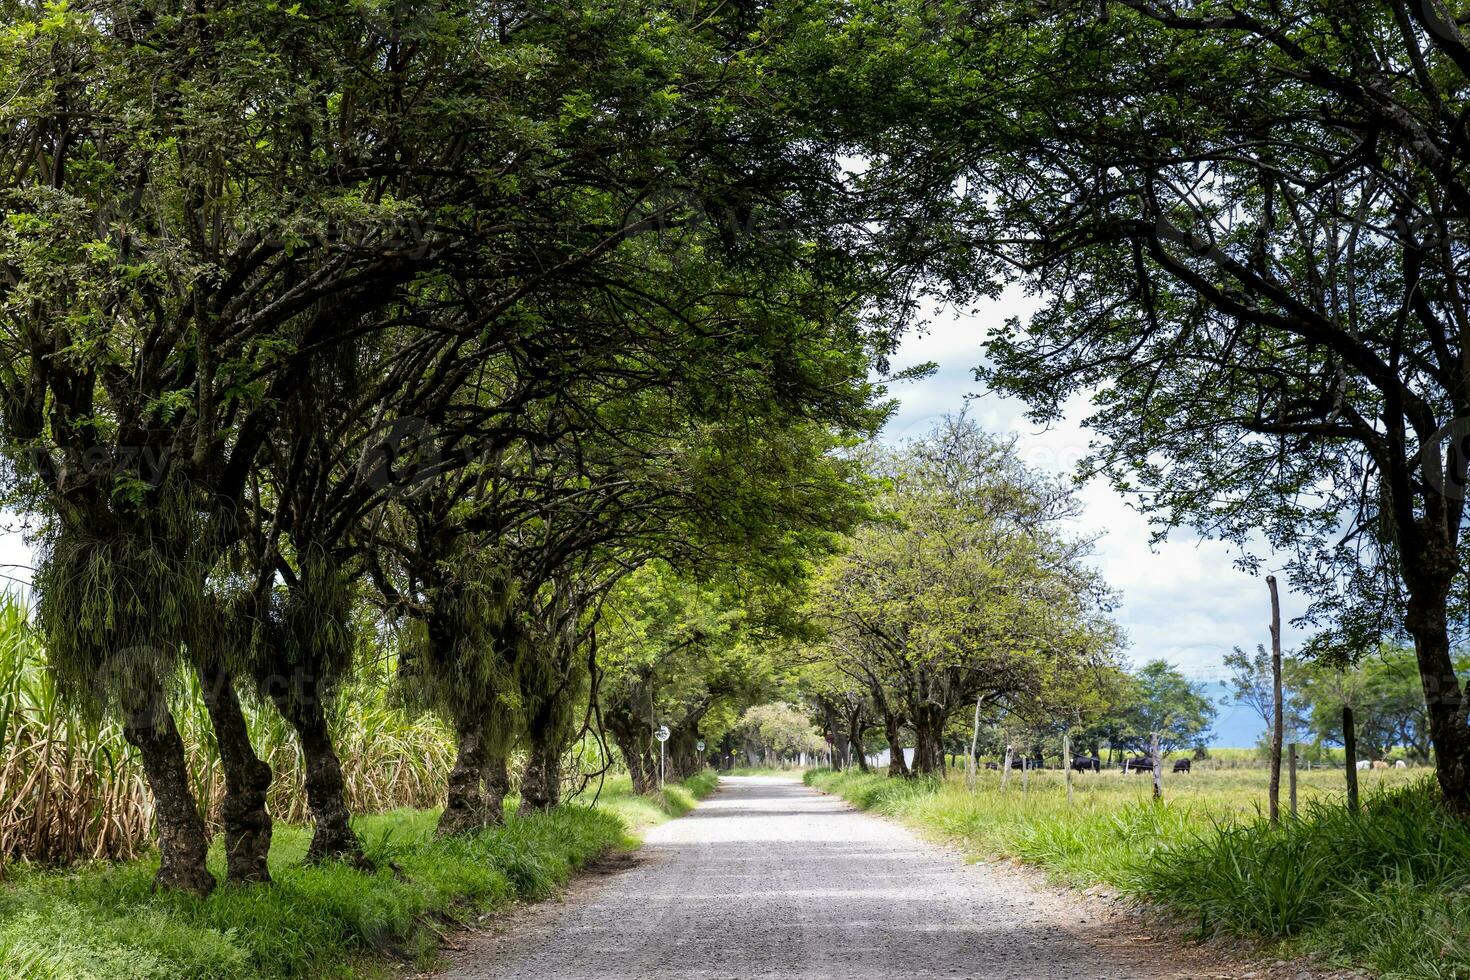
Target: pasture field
[
  {"x": 103, "y": 921},
  {"x": 1388, "y": 889}
]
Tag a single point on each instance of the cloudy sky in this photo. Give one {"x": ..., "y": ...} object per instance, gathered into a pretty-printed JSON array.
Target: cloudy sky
[{"x": 1183, "y": 600}]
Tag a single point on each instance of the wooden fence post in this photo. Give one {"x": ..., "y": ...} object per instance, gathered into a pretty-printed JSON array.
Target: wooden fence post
[
  {"x": 1005, "y": 773},
  {"x": 1350, "y": 748},
  {"x": 970, "y": 773},
  {"x": 1153, "y": 750},
  {"x": 1273, "y": 794},
  {"x": 1291, "y": 776},
  {"x": 1067, "y": 764}
]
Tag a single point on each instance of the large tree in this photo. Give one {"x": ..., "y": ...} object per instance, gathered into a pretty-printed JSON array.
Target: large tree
[
  {"x": 966, "y": 588},
  {"x": 1246, "y": 220},
  {"x": 183, "y": 189}
]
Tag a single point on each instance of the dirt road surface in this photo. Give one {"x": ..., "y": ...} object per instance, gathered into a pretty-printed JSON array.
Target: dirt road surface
[{"x": 770, "y": 879}]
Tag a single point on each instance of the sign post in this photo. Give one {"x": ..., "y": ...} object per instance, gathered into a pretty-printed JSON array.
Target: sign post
[{"x": 663, "y": 736}]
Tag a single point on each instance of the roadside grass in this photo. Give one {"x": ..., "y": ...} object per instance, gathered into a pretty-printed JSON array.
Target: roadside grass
[
  {"x": 1388, "y": 888},
  {"x": 638, "y": 813},
  {"x": 104, "y": 922}
]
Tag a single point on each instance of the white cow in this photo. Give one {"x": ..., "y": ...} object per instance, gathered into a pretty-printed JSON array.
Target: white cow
[
  {"x": 1364, "y": 764},
  {"x": 1401, "y": 764}
]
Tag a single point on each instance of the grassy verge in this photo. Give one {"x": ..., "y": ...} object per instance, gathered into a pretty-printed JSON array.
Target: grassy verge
[
  {"x": 638, "y": 813},
  {"x": 104, "y": 922},
  {"x": 1388, "y": 889}
]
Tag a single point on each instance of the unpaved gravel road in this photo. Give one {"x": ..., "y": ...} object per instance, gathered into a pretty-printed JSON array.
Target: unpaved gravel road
[{"x": 770, "y": 879}]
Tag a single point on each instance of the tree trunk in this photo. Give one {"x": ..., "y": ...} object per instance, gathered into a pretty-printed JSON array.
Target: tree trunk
[
  {"x": 855, "y": 738},
  {"x": 497, "y": 786},
  {"x": 247, "y": 823},
  {"x": 1444, "y": 700},
  {"x": 326, "y": 792},
  {"x": 464, "y": 806},
  {"x": 541, "y": 782},
  {"x": 632, "y": 758},
  {"x": 893, "y": 727},
  {"x": 928, "y": 748},
  {"x": 182, "y": 842}
]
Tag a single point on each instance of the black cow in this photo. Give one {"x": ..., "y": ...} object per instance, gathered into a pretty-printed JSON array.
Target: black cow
[
  {"x": 1181, "y": 765},
  {"x": 1142, "y": 764},
  {"x": 1086, "y": 763},
  {"x": 992, "y": 765}
]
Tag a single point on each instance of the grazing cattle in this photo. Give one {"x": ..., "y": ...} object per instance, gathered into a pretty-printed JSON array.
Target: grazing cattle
[
  {"x": 1364, "y": 764},
  {"x": 1401, "y": 764},
  {"x": 1181, "y": 765},
  {"x": 1142, "y": 764},
  {"x": 1087, "y": 763},
  {"x": 1380, "y": 764},
  {"x": 992, "y": 765}
]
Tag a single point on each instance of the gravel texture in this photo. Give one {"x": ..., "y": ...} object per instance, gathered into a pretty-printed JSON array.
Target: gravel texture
[{"x": 770, "y": 879}]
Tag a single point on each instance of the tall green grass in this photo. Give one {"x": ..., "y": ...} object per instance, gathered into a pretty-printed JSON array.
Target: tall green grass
[
  {"x": 1387, "y": 888},
  {"x": 105, "y": 921}
]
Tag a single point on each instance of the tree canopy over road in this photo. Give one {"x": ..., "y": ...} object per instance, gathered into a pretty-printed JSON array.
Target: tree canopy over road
[{"x": 526, "y": 364}]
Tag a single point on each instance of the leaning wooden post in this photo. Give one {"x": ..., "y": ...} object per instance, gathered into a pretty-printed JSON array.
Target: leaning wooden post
[
  {"x": 1153, "y": 750},
  {"x": 1005, "y": 772},
  {"x": 1291, "y": 776},
  {"x": 1025, "y": 776},
  {"x": 974, "y": 745},
  {"x": 1273, "y": 794},
  {"x": 1350, "y": 748},
  {"x": 1067, "y": 764}
]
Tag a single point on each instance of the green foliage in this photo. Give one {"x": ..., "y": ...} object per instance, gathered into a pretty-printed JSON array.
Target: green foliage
[
  {"x": 1384, "y": 886},
  {"x": 779, "y": 731},
  {"x": 312, "y": 922},
  {"x": 1385, "y": 693},
  {"x": 1163, "y": 700},
  {"x": 967, "y": 586}
]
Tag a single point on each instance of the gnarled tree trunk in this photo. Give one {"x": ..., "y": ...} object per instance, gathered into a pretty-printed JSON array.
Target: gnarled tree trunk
[
  {"x": 1444, "y": 699},
  {"x": 247, "y": 822},
  {"x": 182, "y": 842},
  {"x": 497, "y": 787},
  {"x": 326, "y": 792},
  {"x": 928, "y": 746},
  {"x": 628, "y": 734},
  {"x": 464, "y": 805},
  {"x": 541, "y": 782}
]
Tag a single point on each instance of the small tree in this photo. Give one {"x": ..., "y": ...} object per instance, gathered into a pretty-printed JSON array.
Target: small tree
[{"x": 1166, "y": 702}]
